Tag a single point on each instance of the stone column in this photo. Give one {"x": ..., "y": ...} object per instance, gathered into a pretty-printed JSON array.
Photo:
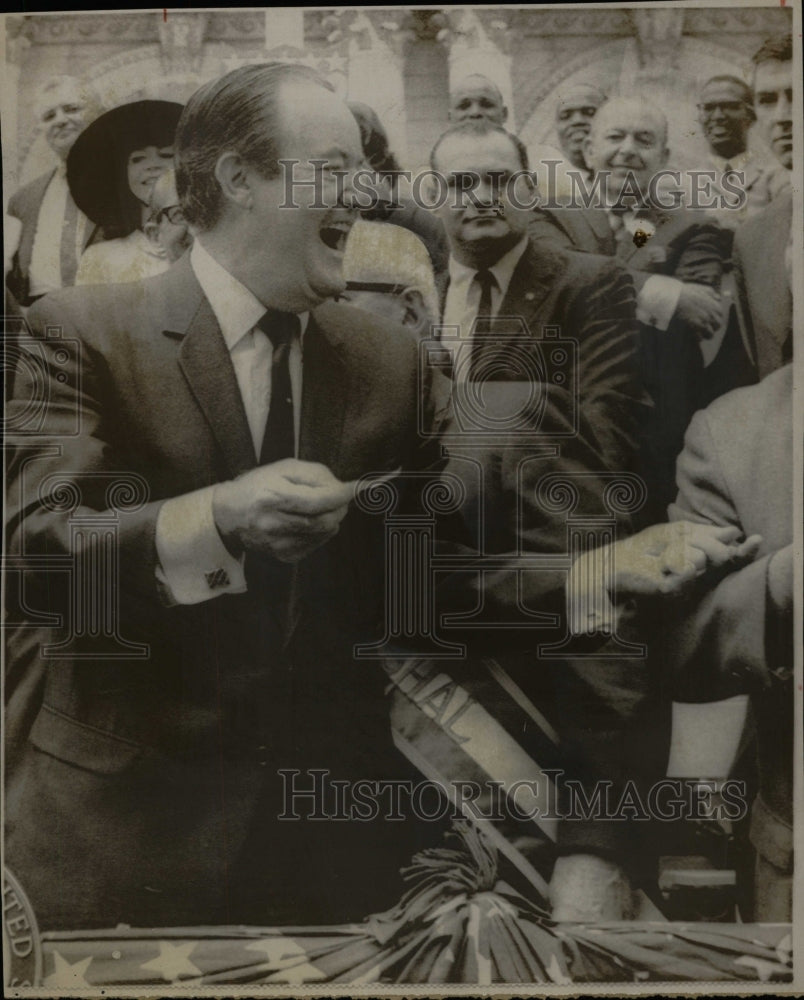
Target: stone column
[
  {"x": 18, "y": 41},
  {"x": 375, "y": 71},
  {"x": 651, "y": 63}
]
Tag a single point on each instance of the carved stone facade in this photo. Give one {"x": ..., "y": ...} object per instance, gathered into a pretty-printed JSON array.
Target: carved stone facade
[{"x": 398, "y": 60}]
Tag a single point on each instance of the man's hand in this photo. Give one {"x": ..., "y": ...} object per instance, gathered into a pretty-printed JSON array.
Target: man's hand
[
  {"x": 666, "y": 558},
  {"x": 700, "y": 307},
  {"x": 286, "y": 509},
  {"x": 663, "y": 560}
]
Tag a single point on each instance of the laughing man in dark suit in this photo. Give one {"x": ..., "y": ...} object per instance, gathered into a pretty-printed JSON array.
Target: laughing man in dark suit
[{"x": 149, "y": 791}]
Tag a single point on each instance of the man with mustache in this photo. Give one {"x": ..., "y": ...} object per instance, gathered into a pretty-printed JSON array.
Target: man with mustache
[
  {"x": 504, "y": 299},
  {"x": 762, "y": 254},
  {"x": 246, "y": 573},
  {"x": 49, "y": 232}
]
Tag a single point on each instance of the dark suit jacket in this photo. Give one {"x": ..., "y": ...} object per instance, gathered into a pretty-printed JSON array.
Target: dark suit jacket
[
  {"x": 737, "y": 636},
  {"x": 164, "y": 770},
  {"x": 764, "y": 299},
  {"x": 590, "y": 301},
  {"x": 24, "y": 205},
  {"x": 582, "y": 431}
]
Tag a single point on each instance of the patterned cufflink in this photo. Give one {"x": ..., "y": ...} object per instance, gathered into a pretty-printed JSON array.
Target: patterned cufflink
[{"x": 217, "y": 578}]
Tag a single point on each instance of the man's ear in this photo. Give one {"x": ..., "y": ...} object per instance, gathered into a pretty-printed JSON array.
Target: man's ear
[
  {"x": 233, "y": 177},
  {"x": 415, "y": 317}
]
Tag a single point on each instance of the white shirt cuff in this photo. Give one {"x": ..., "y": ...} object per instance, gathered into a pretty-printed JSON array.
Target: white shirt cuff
[
  {"x": 194, "y": 564},
  {"x": 657, "y": 300},
  {"x": 589, "y": 606}
]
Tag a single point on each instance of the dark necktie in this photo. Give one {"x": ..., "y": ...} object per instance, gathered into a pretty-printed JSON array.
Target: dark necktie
[
  {"x": 487, "y": 281},
  {"x": 279, "y": 440},
  {"x": 272, "y": 579}
]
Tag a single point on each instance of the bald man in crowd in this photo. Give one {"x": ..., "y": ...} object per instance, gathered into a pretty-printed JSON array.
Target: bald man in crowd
[
  {"x": 676, "y": 257},
  {"x": 477, "y": 98},
  {"x": 45, "y": 231}
]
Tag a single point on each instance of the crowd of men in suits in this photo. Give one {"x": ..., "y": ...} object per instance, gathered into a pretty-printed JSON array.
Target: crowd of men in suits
[{"x": 249, "y": 363}]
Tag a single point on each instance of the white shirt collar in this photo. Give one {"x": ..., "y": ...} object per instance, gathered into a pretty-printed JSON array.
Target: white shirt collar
[
  {"x": 236, "y": 309},
  {"x": 503, "y": 270},
  {"x": 738, "y": 162}
]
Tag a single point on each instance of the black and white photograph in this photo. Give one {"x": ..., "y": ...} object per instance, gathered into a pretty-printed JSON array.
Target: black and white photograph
[{"x": 403, "y": 434}]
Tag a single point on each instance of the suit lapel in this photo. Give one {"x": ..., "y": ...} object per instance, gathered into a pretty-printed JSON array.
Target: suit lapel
[
  {"x": 30, "y": 211},
  {"x": 666, "y": 228},
  {"x": 598, "y": 222},
  {"x": 530, "y": 284},
  {"x": 774, "y": 305},
  {"x": 205, "y": 363},
  {"x": 442, "y": 287}
]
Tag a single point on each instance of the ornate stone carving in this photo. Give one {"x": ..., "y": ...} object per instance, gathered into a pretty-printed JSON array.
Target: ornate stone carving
[
  {"x": 658, "y": 35},
  {"x": 181, "y": 40},
  {"x": 69, "y": 28},
  {"x": 569, "y": 22},
  {"x": 717, "y": 20},
  {"x": 19, "y": 35}
]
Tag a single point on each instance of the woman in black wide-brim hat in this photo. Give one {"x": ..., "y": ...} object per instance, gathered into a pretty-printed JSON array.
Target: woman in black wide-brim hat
[{"x": 111, "y": 171}]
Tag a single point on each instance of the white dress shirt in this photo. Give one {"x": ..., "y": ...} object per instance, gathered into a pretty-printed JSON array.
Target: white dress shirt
[
  {"x": 463, "y": 295},
  {"x": 194, "y": 564}
]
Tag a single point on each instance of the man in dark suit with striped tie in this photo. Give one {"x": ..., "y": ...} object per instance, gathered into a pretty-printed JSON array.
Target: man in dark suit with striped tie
[
  {"x": 495, "y": 272},
  {"x": 246, "y": 574},
  {"x": 505, "y": 302}
]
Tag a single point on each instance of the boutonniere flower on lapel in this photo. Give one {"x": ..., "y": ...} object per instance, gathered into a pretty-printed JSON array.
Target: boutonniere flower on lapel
[{"x": 641, "y": 229}]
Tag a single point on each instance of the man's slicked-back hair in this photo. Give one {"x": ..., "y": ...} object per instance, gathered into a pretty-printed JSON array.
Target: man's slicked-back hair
[
  {"x": 235, "y": 113},
  {"x": 480, "y": 129},
  {"x": 779, "y": 47}
]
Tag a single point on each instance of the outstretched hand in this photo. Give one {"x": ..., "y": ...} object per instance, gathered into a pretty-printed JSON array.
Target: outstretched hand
[{"x": 664, "y": 560}]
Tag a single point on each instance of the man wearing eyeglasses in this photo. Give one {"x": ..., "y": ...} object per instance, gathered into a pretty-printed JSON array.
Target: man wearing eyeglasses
[
  {"x": 726, "y": 114},
  {"x": 167, "y": 229}
]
